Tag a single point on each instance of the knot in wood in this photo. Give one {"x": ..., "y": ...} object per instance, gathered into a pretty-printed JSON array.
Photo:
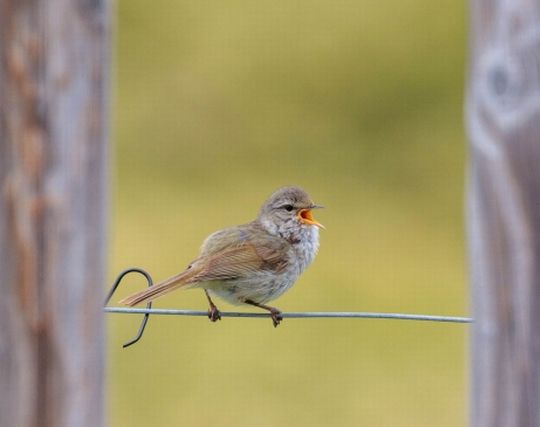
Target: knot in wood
[{"x": 509, "y": 81}]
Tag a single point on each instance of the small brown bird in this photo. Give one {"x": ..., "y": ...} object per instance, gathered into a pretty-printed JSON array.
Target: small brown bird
[{"x": 251, "y": 263}]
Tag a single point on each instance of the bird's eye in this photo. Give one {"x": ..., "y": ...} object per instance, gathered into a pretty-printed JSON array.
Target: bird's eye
[{"x": 288, "y": 208}]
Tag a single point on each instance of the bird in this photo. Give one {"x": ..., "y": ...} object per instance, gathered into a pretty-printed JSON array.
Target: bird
[{"x": 252, "y": 263}]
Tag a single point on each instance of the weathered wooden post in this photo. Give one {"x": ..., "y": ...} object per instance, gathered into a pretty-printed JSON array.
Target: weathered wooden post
[
  {"x": 54, "y": 61},
  {"x": 503, "y": 107}
]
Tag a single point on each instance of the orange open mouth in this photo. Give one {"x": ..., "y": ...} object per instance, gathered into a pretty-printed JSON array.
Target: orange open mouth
[{"x": 306, "y": 217}]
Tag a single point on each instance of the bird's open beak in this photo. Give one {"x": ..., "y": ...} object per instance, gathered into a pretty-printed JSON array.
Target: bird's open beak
[{"x": 306, "y": 217}]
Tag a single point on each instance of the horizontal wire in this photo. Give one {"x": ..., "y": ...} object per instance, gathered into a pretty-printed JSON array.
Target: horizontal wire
[{"x": 294, "y": 315}]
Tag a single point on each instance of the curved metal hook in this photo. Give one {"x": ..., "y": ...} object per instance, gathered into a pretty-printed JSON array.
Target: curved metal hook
[{"x": 149, "y": 305}]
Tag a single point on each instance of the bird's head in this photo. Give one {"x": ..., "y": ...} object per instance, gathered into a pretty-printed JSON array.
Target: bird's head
[{"x": 288, "y": 211}]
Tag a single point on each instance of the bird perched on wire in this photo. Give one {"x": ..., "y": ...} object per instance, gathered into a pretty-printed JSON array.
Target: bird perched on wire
[{"x": 251, "y": 263}]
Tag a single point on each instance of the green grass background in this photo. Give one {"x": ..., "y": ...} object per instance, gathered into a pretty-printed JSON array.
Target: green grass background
[{"x": 218, "y": 104}]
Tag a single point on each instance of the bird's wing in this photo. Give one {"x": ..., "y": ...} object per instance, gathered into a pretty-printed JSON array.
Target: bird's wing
[
  {"x": 227, "y": 238},
  {"x": 241, "y": 260}
]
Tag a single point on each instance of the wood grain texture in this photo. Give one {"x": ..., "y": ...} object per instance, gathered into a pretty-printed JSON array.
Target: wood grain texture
[
  {"x": 503, "y": 113},
  {"x": 54, "y": 62}
]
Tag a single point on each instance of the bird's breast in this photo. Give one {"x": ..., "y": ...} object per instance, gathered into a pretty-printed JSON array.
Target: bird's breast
[{"x": 306, "y": 248}]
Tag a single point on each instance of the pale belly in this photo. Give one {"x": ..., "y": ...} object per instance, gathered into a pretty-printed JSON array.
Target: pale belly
[{"x": 260, "y": 288}]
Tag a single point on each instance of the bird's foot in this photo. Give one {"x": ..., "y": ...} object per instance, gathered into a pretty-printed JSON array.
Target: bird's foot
[
  {"x": 213, "y": 314},
  {"x": 276, "y": 316}
]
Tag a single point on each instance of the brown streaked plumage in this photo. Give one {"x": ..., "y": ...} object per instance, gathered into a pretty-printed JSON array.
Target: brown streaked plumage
[{"x": 251, "y": 263}]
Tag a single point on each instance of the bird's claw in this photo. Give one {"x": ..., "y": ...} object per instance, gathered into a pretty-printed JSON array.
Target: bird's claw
[
  {"x": 276, "y": 317},
  {"x": 213, "y": 314}
]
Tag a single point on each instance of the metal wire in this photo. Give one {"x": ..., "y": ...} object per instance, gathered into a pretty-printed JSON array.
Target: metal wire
[
  {"x": 290, "y": 315},
  {"x": 294, "y": 314},
  {"x": 113, "y": 289}
]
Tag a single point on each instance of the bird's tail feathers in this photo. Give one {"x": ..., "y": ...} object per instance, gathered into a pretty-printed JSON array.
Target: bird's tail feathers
[{"x": 150, "y": 294}]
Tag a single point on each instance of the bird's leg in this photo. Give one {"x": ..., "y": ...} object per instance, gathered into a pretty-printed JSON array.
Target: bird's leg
[
  {"x": 213, "y": 312},
  {"x": 275, "y": 314}
]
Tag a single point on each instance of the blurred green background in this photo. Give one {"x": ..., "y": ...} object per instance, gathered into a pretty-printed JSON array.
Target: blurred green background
[{"x": 360, "y": 103}]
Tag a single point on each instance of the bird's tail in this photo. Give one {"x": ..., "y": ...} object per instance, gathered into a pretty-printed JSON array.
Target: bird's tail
[{"x": 181, "y": 280}]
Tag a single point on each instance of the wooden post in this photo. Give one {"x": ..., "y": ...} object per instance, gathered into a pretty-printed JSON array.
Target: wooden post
[
  {"x": 503, "y": 107},
  {"x": 54, "y": 61}
]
